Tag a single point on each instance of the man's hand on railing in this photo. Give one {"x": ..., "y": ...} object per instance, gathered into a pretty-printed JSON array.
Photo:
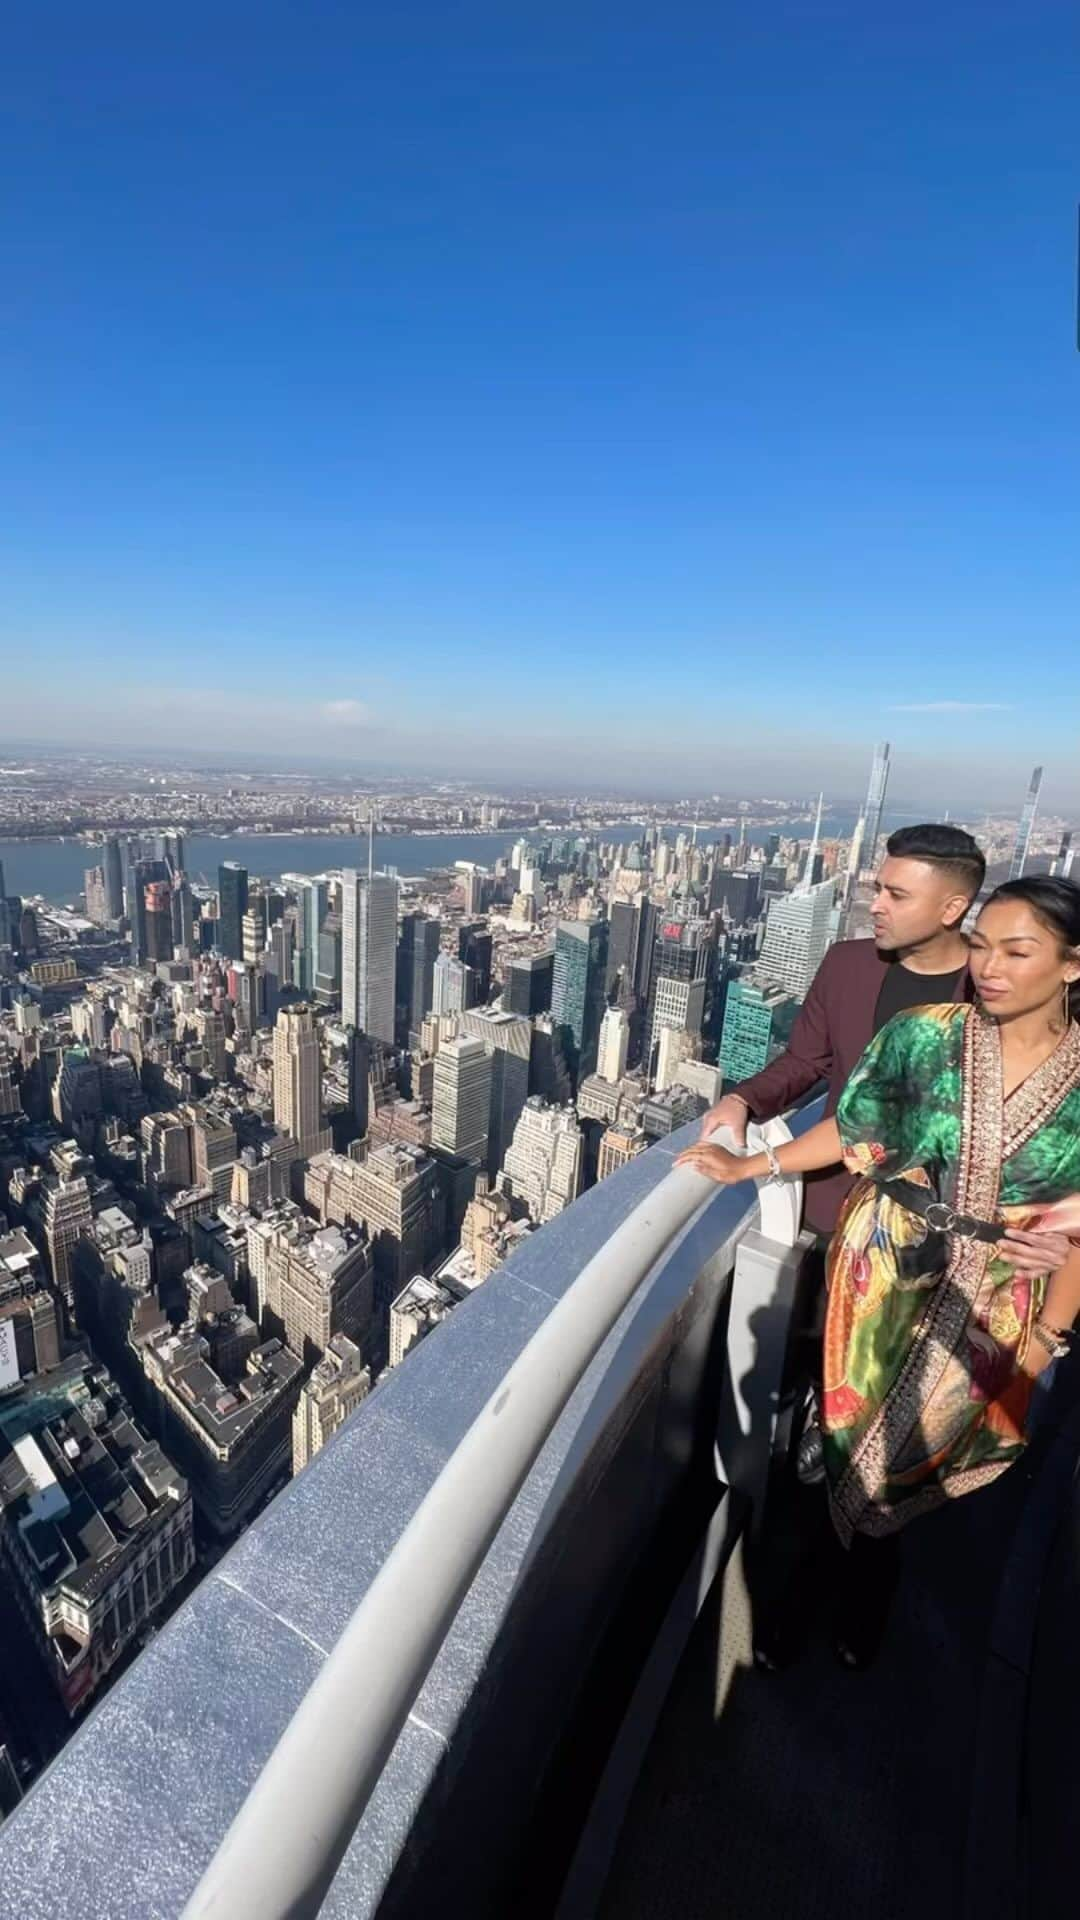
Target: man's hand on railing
[
  {"x": 715, "y": 1162},
  {"x": 728, "y": 1112}
]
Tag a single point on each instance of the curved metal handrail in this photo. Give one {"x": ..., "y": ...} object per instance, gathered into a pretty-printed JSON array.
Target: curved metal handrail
[{"x": 284, "y": 1847}]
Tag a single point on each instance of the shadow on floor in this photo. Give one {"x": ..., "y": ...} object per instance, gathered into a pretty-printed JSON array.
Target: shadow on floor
[{"x": 820, "y": 1792}]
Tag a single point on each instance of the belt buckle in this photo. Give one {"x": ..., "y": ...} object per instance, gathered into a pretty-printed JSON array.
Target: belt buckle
[{"x": 941, "y": 1217}]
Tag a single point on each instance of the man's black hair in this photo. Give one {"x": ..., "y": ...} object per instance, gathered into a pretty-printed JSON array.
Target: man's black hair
[{"x": 949, "y": 848}]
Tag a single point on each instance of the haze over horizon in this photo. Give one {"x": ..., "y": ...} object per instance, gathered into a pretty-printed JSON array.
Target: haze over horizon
[
  {"x": 907, "y": 796},
  {"x": 674, "y": 403}
]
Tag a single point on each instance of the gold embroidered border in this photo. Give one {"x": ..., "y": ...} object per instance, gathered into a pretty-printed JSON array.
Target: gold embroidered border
[
  {"x": 889, "y": 1518},
  {"x": 1042, "y": 1092},
  {"x": 942, "y": 1325}
]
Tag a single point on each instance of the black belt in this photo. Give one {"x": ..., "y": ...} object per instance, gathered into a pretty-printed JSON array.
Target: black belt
[{"x": 938, "y": 1214}]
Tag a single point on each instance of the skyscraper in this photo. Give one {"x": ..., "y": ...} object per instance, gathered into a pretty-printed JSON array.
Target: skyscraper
[
  {"x": 67, "y": 1214},
  {"x": 529, "y": 983},
  {"x": 462, "y": 1099},
  {"x": 328, "y": 972},
  {"x": 507, "y": 1038},
  {"x": 298, "y": 1079},
  {"x": 614, "y": 1044},
  {"x": 796, "y": 938},
  {"x": 114, "y": 880},
  {"x": 183, "y": 913},
  {"x": 633, "y": 924},
  {"x": 337, "y": 1385},
  {"x": 394, "y": 1191},
  {"x": 132, "y": 854},
  {"x": 139, "y": 869},
  {"x": 543, "y": 1165},
  {"x": 683, "y": 977},
  {"x": 314, "y": 899},
  {"x": 757, "y": 1022},
  {"x": 94, "y": 895},
  {"x": 1027, "y": 822},
  {"x": 875, "y": 801},
  {"x": 418, "y": 950},
  {"x": 279, "y": 958},
  {"x": 232, "y": 906},
  {"x": 368, "y": 952},
  {"x": 812, "y": 870},
  {"x": 449, "y": 985},
  {"x": 738, "y": 894},
  {"x": 171, "y": 849},
  {"x": 158, "y": 899},
  {"x": 358, "y": 1072},
  {"x": 474, "y": 951},
  {"x": 577, "y": 994},
  {"x": 253, "y": 929},
  {"x": 854, "y": 859}
]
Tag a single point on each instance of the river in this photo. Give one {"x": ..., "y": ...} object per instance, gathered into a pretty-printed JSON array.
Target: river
[{"x": 55, "y": 868}]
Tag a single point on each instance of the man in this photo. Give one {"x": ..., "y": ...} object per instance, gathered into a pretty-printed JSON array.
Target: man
[{"x": 918, "y": 957}]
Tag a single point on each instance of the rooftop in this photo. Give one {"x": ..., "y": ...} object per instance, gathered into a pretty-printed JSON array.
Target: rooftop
[
  {"x": 78, "y": 1477},
  {"x": 226, "y": 1413}
]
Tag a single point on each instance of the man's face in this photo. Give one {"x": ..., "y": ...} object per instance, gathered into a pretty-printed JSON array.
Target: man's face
[{"x": 913, "y": 901}]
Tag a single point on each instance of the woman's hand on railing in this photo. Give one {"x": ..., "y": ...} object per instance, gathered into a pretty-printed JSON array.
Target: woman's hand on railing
[{"x": 716, "y": 1163}]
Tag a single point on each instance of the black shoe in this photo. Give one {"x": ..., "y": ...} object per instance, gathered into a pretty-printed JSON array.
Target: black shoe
[
  {"x": 772, "y": 1655},
  {"x": 778, "y": 1640},
  {"x": 854, "y": 1656}
]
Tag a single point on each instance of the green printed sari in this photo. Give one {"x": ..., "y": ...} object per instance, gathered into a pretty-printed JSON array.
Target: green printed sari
[{"x": 922, "y": 1398}]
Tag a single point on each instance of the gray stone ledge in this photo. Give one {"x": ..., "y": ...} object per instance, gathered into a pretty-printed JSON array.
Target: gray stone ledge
[{"x": 124, "y": 1821}]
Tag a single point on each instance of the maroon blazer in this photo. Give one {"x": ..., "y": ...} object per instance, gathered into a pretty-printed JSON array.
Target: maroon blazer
[{"x": 831, "y": 1032}]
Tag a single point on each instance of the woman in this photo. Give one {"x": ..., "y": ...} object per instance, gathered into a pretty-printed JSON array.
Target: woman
[{"x": 961, "y": 1120}]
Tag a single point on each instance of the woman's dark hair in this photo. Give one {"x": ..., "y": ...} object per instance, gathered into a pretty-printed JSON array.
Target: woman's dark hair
[
  {"x": 1056, "y": 903},
  {"x": 949, "y": 848}
]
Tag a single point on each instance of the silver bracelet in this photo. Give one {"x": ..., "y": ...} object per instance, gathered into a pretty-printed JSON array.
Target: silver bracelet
[{"x": 776, "y": 1171}]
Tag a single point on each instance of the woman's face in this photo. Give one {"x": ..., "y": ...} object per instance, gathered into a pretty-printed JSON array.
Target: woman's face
[{"x": 1017, "y": 962}]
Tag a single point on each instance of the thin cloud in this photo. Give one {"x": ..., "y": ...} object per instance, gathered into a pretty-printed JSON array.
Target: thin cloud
[
  {"x": 350, "y": 713},
  {"x": 952, "y": 706}
]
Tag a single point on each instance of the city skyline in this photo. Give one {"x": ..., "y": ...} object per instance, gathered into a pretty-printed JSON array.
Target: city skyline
[
  {"x": 479, "y": 394},
  {"x": 908, "y": 794}
]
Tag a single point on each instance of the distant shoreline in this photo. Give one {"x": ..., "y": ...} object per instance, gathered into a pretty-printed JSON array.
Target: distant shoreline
[
  {"x": 94, "y": 837},
  {"x": 90, "y": 838}
]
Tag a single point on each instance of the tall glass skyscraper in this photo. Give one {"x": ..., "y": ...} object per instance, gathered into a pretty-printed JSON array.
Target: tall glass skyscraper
[
  {"x": 418, "y": 950},
  {"x": 313, "y": 896},
  {"x": 1027, "y": 821},
  {"x": 577, "y": 994},
  {"x": 757, "y": 1023},
  {"x": 875, "y": 802},
  {"x": 114, "y": 880},
  {"x": 232, "y": 906},
  {"x": 368, "y": 952},
  {"x": 797, "y": 935}
]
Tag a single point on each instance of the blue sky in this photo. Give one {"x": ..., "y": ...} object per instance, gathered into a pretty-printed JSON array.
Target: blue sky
[{"x": 619, "y": 389}]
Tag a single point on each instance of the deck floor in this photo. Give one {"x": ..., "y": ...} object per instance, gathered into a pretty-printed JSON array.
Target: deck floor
[{"x": 817, "y": 1793}]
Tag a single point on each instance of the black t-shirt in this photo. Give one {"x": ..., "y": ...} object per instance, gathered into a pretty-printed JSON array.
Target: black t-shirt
[{"x": 901, "y": 989}]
